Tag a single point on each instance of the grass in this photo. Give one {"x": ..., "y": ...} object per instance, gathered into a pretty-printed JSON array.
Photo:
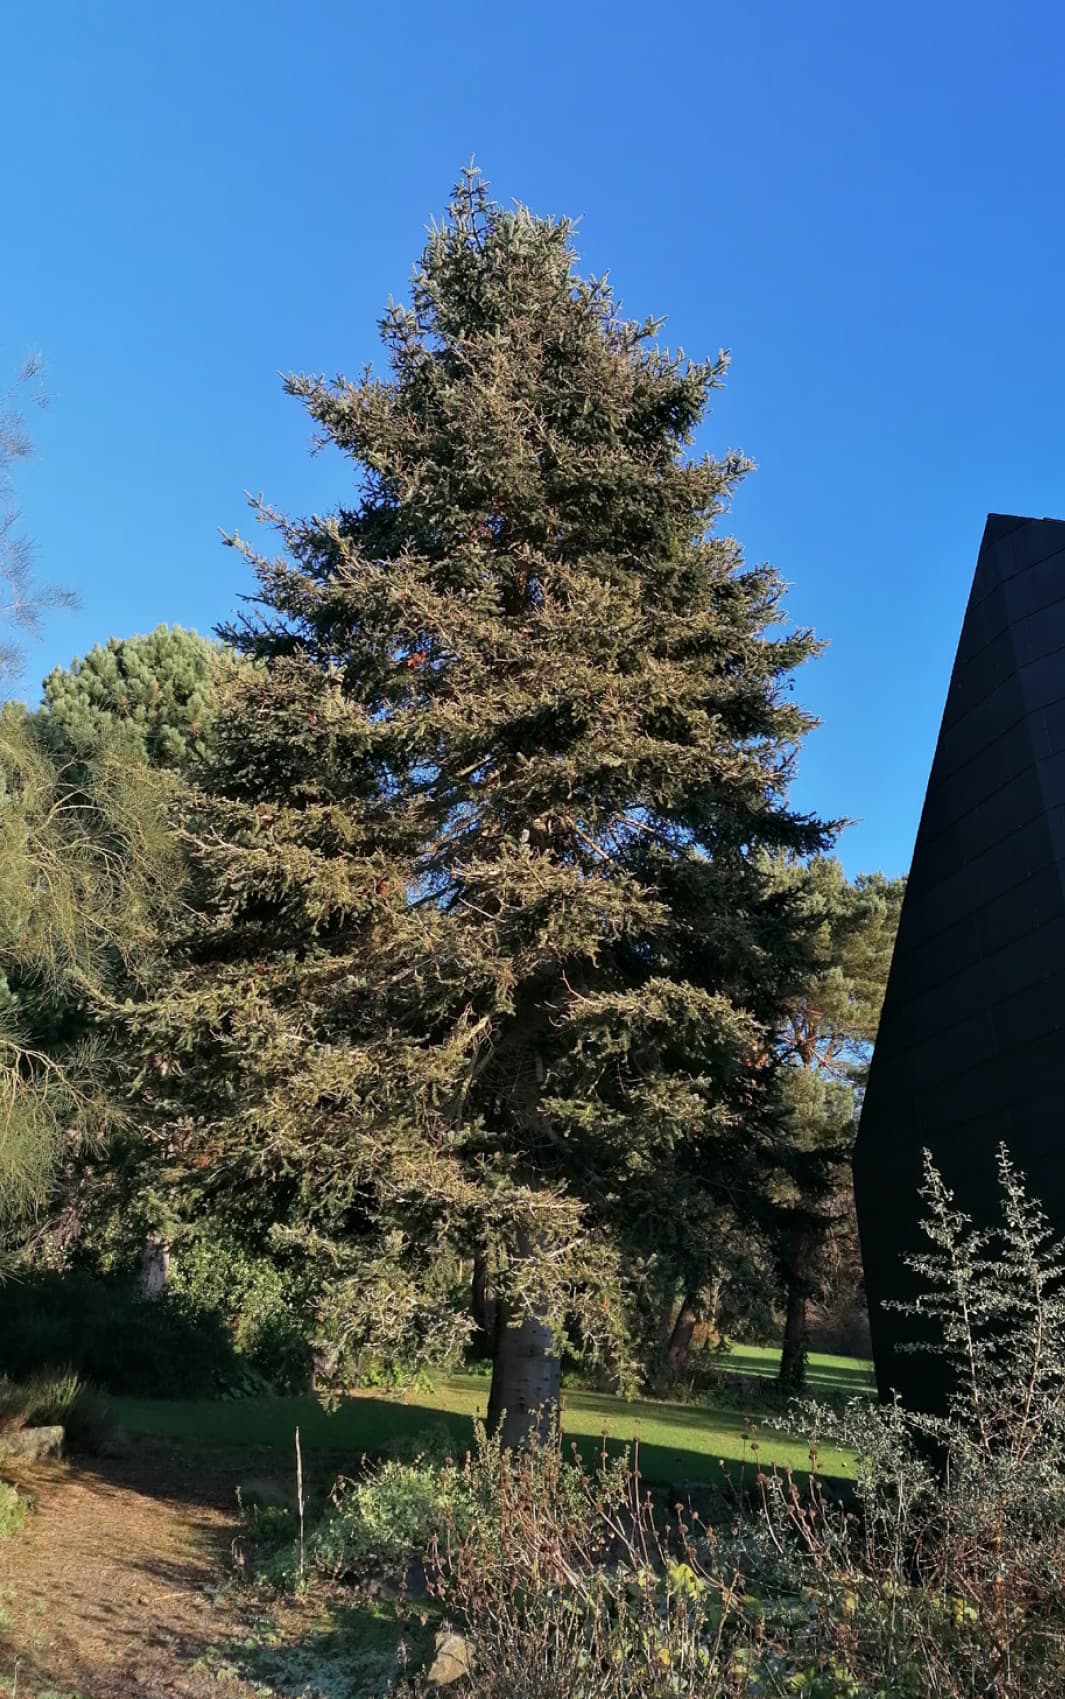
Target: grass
[
  {"x": 677, "y": 1441},
  {"x": 848, "y": 1375}
]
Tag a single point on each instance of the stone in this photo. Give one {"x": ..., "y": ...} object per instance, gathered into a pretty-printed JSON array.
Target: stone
[
  {"x": 32, "y": 1444},
  {"x": 452, "y": 1660}
]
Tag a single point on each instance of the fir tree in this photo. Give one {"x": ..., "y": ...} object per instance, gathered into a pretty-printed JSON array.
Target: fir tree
[{"x": 487, "y": 958}]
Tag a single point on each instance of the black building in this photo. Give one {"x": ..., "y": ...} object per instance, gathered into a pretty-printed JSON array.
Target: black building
[{"x": 971, "y": 1050}]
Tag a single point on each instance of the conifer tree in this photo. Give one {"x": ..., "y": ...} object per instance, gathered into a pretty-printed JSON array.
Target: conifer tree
[
  {"x": 159, "y": 688},
  {"x": 146, "y": 705},
  {"x": 486, "y": 955},
  {"x": 87, "y": 867}
]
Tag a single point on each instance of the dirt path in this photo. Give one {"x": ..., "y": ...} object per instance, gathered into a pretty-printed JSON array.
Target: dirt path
[{"x": 115, "y": 1588}]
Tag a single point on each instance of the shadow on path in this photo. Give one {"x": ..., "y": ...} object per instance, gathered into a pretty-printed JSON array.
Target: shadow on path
[{"x": 112, "y": 1589}]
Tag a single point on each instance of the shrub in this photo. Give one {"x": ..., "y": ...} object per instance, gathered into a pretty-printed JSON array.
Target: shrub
[
  {"x": 567, "y": 1584},
  {"x": 263, "y": 1309},
  {"x": 383, "y": 1521},
  {"x": 81, "y": 1410},
  {"x": 943, "y": 1577},
  {"x": 390, "y": 1517},
  {"x": 952, "y": 1577},
  {"x": 13, "y": 1406},
  {"x": 265, "y": 1547},
  {"x": 108, "y": 1335}
]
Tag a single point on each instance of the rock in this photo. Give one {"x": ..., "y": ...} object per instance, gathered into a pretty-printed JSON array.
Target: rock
[
  {"x": 451, "y": 1658},
  {"x": 32, "y": 1443}
]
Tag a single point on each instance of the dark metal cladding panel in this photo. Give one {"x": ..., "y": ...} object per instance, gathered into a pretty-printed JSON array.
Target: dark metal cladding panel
[{"x": 973, "y": 1030}]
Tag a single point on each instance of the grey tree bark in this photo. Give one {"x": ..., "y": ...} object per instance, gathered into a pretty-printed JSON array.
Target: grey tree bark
[
  {"x": 526, "y": 1389},
  {"x": 154, "y": 1270},
  {"x": 482, "y": 1303}
]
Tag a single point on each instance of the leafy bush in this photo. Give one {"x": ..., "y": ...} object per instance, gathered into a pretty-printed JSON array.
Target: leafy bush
[
  {"x": 383, "y": 1521},
  {"x": 390, "y": 1517},
  {"x": 105, "y": 1333},
  {"x": 264, "y": 1310}
]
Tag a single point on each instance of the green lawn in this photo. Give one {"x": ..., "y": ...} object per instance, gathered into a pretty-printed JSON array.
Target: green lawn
[
  {"x": 676, "y": 1441},
  {"x": 824, "y": 1374}
]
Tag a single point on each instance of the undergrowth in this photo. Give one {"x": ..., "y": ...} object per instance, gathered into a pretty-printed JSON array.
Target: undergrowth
[
  {"x": 57, "y": 1398},
  {"x": 941, "y": 1576}
]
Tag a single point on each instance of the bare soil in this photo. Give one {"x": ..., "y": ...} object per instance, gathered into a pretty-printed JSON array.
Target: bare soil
[{"x": 119, "y": 1586}]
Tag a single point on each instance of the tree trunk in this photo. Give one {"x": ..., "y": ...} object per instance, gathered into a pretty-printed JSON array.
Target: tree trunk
[
  {"x": 680, "y": 1340},
  {"x": 482, "y": 1303},
  {"x": 154, "y": 1269},
  {"x": 526, "y": 1391},
  {"x": 793, "y": 1353}
]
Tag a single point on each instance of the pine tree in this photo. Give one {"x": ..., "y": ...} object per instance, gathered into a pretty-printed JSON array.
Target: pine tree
[
  {"x": 487, "y": 959},
  {"x": 160, "y": 688},
  {"x": 147, "y": 703},
  {"x": 87, "y": 868}
]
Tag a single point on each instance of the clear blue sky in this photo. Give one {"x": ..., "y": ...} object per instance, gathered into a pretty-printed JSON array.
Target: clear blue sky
[{"x": 864, "y": 202}]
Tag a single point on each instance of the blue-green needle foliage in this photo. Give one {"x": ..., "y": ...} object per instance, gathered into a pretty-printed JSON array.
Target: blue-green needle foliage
[
  {"x": 160, "y": 688},
  {"x": 486, "y": 957}
]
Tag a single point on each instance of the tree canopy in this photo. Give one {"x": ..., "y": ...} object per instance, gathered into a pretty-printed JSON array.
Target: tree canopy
[
  {"x": 160, "y": 689},
  {"x": 485, "y": 954},
  {"x": 86, "y": 866}
]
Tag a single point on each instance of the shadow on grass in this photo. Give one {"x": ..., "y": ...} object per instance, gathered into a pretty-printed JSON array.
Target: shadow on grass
[
  {"x": 845, "y": 1376},
  {"x": 369, "y": 1426}
]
